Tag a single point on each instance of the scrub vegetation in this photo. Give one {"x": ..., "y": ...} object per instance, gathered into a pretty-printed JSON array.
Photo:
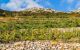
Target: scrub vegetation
[{"x": 40, "y": 25}]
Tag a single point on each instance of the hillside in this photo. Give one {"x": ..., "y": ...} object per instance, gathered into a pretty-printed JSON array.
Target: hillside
[
  {"x": 76, "y": 11},
  {"x": 4, "y": 13},
  {"x": 39, "y": 24},
  {"x": 40, "y": 12}
]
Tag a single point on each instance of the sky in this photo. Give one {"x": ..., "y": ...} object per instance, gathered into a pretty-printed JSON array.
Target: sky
[{"x": 59, "y": 5}]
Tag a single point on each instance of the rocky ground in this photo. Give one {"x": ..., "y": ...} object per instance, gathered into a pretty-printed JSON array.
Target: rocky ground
[{"x": 40, "y": 45}]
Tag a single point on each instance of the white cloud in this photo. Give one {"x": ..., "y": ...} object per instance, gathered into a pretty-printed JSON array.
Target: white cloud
[
  {"x": 24, "y": 4},
  {"x": 40, "y": 0},
  {"x": 66, "y": 1},
  {"x": 70, "y": 1},
  {"x": 45, "y": 3},
  {"x": 48, "y": 3},
  {"x": 31, "y": 4},
  {"x": 78, "y": 5},
  {"x": 16, "y": 4}
]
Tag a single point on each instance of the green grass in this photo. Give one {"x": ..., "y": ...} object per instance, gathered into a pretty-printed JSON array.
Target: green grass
[
  {"x": 35, "y": 23},
  {"x": 30, "y": 28},
  {"x": 27, "y": 25},
  {"x": 39, "y": 34}
]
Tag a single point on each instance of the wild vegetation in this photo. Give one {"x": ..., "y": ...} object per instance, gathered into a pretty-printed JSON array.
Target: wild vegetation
[{"x": 41, "y": 25}]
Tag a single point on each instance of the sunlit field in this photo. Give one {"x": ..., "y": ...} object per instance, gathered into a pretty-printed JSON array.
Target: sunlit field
[
  {"x": 14, "y": 29},
  {"x": 55, "y": 30}
]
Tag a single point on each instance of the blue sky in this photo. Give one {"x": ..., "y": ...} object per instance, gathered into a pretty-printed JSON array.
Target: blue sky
[{"x": 60, "y": 5}]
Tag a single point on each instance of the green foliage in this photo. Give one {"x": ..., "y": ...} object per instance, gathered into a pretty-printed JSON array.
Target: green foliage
[
  {"x": 38, "y": 29},
  {"x": 38, "y": 34},
  {"x": 36, "y": 23},
  {"x": 38, "y": 26}
]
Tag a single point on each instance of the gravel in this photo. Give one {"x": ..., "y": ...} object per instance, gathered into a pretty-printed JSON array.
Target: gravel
[{"x": 40, "y": 45}]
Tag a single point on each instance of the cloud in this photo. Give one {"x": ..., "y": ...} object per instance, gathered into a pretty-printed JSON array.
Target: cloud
[
  {"x": 45, "y": 3},
  {"x": 78, "y": 5},
  {"x": 32, "y": 3},
  {"x": 48, "y": 3},
  {"x": 18, "y": 5},
  {"x": 70, "y": 1}
]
